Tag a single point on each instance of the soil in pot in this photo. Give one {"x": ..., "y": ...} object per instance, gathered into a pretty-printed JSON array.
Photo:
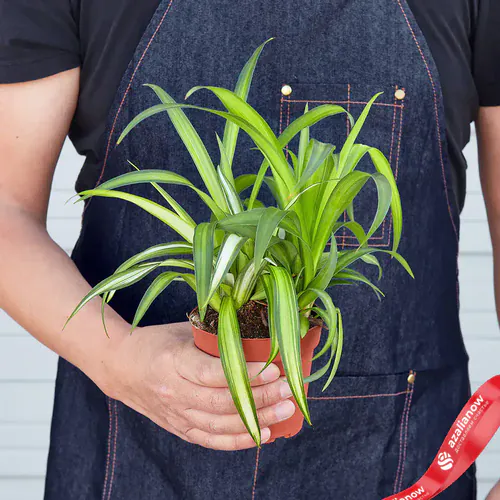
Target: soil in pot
[{"x": 252, "y": 318}]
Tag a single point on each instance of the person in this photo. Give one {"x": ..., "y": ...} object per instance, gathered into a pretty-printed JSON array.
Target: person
[{"x": 150, "y": 415}]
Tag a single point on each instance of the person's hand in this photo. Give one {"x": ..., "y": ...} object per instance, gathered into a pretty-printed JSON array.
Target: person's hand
[
  {"x": 494, "y": 493},
  {"x": 159, "y": 372}
]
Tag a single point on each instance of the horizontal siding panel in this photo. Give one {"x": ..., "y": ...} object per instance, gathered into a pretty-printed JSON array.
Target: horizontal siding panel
[
  {"x": 26, "y": 403},
  {"x": 24, "y": 358},
  {"x": 476, "y": 283},
  {"x": 64, "y": 232},
  {"x": 62, "y": 207},
  {"x": 24, "y": 436},
  {"x": 483, "y": 488},
  {"x": 488, "y": 466},
  {"x": 480, "y": 325},
  {"x": 8, "y": 326},
  {"x": 26, "y": 488},
  {"x": 68, "y": 167},
  {"x": 474, "y": 209},
  {"x": 475, "y": 237},
  {"x": 21, "y": 463},
  {"x": 484, "y": 355}
]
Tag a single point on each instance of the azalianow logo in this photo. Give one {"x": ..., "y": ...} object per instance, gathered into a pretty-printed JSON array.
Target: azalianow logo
[{"x": 445, "y": 461}]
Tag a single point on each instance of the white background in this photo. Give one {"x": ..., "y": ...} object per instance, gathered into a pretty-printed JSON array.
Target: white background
[{"x": 27, "y": 369}]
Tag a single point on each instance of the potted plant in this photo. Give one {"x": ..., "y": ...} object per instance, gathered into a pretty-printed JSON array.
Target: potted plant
[{"x": 260, "y": 273}]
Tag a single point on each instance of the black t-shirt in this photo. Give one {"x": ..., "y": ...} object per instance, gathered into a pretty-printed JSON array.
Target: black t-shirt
[{"x": 39, "y": 38}]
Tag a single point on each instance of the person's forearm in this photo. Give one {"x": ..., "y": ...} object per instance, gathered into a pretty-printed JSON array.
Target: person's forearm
[
  {"x": 488, "y": 126},
  {"x": 41, "y": 286}
]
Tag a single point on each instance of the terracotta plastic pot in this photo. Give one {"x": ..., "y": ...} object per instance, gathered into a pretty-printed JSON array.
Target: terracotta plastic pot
[{"x": 258, "y": 350}]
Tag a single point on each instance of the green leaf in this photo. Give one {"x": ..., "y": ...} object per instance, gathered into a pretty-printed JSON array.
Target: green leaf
[
  {"x": 286, "y": 324},
  {"x": 303, "y": 145},
  {"x": 330, "y": 344},
  {"x": 273, "y": 154},
  {"x": 161, "y": 250},
  {"x": 236, "y": 106},
  {"x": 235, "y": 367},
  {"x": 349, "y": 257},
  {"x": 170, "y": 200},
  {"x": 356, "y": 129},
  {"x": 241, "y": 90},
  {"x": 232, "y": 198},
  {"x": 269, "y": 294},
  {"x": 373, "y": 261},
  {"x": 245, "y": 283},
  {"x": 115, "y": 282},
  {"x": 353, "y": 226},
  {"x": 343, "y": 194},
  {"x": 160, "y": 177},
  {"x": 384, "y": 191},
  {"x": 323, "y": 277},
  {"x": 203, "y": 253},
  {"x": 382, "y": 165},
  {"x": 316, "y": 155},
  {"x": 268, "y": 224},
  {"x": 259, "y": 179},
  {"x": 159, "y": 284},
  {"x": 338, "y": 351},
  {"x": 227, "y": 255},
  {"x": 308, "y": 119},
  {"x": 351, "y": 274},
  {"x": 170, "y": 218},
  {"x": 194, "y": 145}
]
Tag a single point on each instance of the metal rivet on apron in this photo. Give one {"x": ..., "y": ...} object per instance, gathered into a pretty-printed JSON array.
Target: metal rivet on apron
[
  {"x": 286, "y": 90},
  {"x": 411, "y": 378},
  {"x": 400, "y": 94}
]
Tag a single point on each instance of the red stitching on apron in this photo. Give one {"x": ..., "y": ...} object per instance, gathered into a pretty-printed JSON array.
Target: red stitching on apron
[
  {"x": 333, "y": 398},
  {"x": 110, "y": 431},
  {"x": 129, "y": 86},
  {"x": 398, "y": 470},
  {"x": 257, "y": 458},
  {"x": 345, "y": 102},
  {"x": 406, "y": 434},
  {"x": 436, "y": 111},
  {"x": 396, "y": 170},
  {"x": 114, "y": 451}
]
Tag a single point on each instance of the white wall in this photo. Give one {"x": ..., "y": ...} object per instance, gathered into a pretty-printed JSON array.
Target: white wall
[{"x": 27, "y": 370}]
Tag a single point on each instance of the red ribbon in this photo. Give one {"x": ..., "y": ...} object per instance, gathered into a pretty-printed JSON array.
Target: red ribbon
[{"x": 472, "y": 431}]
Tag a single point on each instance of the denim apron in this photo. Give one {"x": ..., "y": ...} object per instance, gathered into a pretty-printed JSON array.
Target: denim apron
[{"x": 403, "y": 376}]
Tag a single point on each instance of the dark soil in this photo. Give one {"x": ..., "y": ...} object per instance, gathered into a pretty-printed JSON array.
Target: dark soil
[{"x": 252, "y": 318}]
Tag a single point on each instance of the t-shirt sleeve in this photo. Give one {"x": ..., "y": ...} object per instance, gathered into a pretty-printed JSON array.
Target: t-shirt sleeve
[
  {"x": 38, "y": 38},
  {"x": 487, "y": 53}
]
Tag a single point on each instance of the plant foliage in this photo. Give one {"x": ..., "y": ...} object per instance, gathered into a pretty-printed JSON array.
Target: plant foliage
[{"x": 285, "y": 254}]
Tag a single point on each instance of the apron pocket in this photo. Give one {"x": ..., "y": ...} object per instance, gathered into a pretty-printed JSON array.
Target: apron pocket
[
  {"x": 356, "y": 448},
  {"x": 382, "y": 129}
]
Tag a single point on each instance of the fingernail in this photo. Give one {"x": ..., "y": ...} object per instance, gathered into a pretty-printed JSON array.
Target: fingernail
[
  {"x": 270, "y": 374},
  {"x": 285, "y": 410},
  {"x": 285, "y": 390},
  {"x": 265, "y": 434}
]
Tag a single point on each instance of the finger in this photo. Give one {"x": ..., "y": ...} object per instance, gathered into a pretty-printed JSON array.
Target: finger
[
  {"x": 225, "y": 442},
  {"x": 202, "y": 369},
  {"x": 232, "y": 424},
  {"x": 219, "y": 401}
]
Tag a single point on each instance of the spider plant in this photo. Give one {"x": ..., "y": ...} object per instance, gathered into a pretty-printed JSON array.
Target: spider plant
[{"x": 285, "y": 255}]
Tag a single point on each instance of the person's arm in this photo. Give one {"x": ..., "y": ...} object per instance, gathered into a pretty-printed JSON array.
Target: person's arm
[
  {"x": 488, "y": 130},
  {"x": 157, "y": 371}
]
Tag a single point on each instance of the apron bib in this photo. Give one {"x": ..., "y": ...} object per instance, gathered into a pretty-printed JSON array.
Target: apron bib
[{"x": 403, "y": 375}]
